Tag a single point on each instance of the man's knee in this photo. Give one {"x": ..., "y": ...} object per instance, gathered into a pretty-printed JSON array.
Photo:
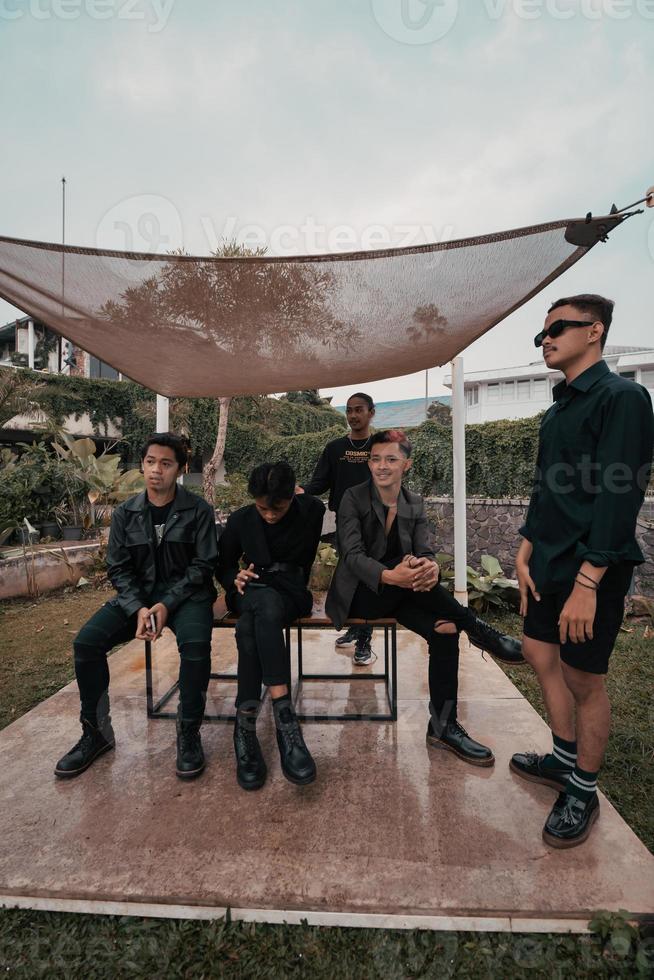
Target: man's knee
[
  {"x": 89, "y": 644},
  {"x": 244, "y": 629},
  {"x": 583, "y": 685},
  {"x": 197, "y": 651}
]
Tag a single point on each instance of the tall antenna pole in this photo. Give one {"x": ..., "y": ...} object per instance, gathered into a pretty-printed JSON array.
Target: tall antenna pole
[{"x": 63, "y": 268}]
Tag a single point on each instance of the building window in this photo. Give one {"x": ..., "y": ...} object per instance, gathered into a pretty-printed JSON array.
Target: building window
[
  {"x": 631, "y": 375},
  {"x": 540, "y": 388},
  {"x": 472, "y": 395},
  {"x": 647, "y": 379},
  {"x": 98, "y": 369},
  {"x": 524, "y": 391},
  {"x": 508, "y": 391},
  {"x": 493, "y": 393}
]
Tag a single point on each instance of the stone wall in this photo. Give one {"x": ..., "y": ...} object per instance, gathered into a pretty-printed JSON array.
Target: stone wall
[
  {"x": 45, "y": 568},
  {"x": 493, "y": 529}
]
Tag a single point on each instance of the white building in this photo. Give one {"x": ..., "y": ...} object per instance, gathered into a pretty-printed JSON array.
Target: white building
[
  {"x": 50, "y": 352},
  {"x": 518, "y": 392}
]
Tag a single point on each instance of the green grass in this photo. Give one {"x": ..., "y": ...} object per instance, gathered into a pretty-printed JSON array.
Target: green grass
[
  {"x": 53, "y": 945},
  {"x": 36, "y": 660}
]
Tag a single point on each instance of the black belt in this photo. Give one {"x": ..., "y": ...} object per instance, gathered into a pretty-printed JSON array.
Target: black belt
[{"x": 278, "y": 566}]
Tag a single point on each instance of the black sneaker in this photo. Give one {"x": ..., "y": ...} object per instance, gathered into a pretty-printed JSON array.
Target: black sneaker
[
  {"x": 454, "y": 738},
  {"x": 250, "y": 765},
  {"x": 499, "y": 645},
  {"x": 363, "y": 654},
  {"x": 348, "y": 638},
  {"x": 297, "y": 763},
  {"x": 95, "y": 740},
  {"x": 529, "y": 766},
  {"x": 190, "y": 756},
  {"x": 570, "y": 821}
]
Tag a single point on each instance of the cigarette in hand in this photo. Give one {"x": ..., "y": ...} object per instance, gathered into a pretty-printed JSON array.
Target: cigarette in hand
[{"x": 153, "y": 623}]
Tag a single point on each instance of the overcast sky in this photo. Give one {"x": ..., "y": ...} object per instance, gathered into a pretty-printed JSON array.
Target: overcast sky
[{"x": 326, "y": 126}]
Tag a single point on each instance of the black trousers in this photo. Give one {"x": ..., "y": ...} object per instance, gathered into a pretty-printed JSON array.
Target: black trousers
[
  {"x": 262, "y": 656},
  {"x": 418, "y": 612},
  {"x": 192, "y": 623}
]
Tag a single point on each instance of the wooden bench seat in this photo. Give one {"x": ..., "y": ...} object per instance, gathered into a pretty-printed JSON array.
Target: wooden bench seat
[{"x": 223, "y": 618}]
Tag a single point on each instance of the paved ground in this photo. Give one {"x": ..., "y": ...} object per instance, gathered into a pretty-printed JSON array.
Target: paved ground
[{"x": 391, "y": 833}]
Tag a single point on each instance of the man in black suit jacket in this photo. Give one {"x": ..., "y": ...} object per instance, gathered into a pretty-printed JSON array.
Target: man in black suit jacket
[
  {"x": 387, "y": 568},
  {"x": 265, "y": 556}
]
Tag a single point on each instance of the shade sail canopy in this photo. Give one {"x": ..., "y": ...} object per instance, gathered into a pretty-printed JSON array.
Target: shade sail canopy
[{"x": 198, "y": 326}]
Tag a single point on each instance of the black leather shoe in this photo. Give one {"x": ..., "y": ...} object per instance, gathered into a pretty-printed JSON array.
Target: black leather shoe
[
  {"x": 297, "y": 764},
  {"x": 529, "y": 766},
  {"x": 505, "y": 648},
  {"x": 454, "y": 738},
  {"x": 250, "y": 766},
  {"x": 94, "y": 742},
  {"x": 570, "y": 821},
  {"x": 190, "y": 757}
]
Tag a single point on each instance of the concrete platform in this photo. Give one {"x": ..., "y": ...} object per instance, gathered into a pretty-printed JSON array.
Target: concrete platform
[{"x": 392, "y": 834}]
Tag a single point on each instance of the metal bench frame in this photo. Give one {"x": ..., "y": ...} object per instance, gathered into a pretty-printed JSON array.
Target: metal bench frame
[
  {"x": 157, "y": 709},
  {"x": 389, "y": 676}
]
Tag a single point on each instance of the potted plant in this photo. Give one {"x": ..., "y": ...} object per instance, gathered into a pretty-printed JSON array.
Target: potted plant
[{"x": 93, "y": 484}]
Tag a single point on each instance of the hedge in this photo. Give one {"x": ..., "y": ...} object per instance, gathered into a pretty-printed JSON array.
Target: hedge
[
  {"x": 132, "y": 408},
  {"x": 500, "y": 458}
]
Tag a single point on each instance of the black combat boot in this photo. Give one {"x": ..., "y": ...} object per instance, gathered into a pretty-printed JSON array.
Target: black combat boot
[
  {"x": 297, "y": 763},
  {"x": 190, "y": 757},
  {"x": 505, "y": 648},
  {"x": 250, "y": 766},
  {"x": 96, "y": 739},
  {"x": 454, "y": 738}
]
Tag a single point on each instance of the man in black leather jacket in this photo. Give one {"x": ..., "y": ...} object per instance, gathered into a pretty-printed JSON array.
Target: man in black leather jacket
[{"x": 160, "y": 559}]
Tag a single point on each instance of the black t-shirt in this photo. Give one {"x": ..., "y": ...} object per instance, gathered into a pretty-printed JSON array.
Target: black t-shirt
[
  {"x": 343, "y": 464},
  {"x": 159, "y": 518},
  {"x": 393, "y": 546}
]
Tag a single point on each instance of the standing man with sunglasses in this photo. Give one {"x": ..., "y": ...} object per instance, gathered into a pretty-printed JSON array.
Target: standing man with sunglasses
[{"x": 578, "y": 553}]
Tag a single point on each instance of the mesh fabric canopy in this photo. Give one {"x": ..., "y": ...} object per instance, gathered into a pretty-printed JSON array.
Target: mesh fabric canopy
[{"x": 197, "y": 326}]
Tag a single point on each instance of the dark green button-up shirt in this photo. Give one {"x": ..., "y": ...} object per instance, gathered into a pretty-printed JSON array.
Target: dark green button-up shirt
[{"x": 593, "y": 467}]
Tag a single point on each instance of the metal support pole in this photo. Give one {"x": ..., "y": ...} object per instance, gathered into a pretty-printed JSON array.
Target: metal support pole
[
  {"x": 459, "y": 471},
  {"x": 162, "y": 413},
  {"x": 30, "y": 344}
]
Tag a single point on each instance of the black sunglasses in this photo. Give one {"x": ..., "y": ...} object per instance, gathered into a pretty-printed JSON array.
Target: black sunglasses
[{"x": 556, "y": 329}]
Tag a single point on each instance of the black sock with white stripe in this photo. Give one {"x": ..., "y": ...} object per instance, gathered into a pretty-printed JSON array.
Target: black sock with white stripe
[
  {"x": 563, "y": 756},
  {"x": 582, "y": 784}
]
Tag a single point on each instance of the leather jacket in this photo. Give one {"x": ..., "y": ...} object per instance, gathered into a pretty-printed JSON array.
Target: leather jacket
[{"x": 186, "y": 555}]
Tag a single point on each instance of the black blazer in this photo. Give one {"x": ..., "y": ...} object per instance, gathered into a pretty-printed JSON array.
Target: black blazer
[
  {"x": 244, "y": 537},
  {"x": 361, "y": 542}
]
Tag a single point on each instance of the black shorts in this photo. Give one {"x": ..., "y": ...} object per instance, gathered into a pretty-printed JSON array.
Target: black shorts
[{"x": 592, "y": 656}]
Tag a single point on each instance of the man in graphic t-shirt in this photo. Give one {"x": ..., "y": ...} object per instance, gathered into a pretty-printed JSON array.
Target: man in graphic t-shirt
[{"x": 344, "y": 464}]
